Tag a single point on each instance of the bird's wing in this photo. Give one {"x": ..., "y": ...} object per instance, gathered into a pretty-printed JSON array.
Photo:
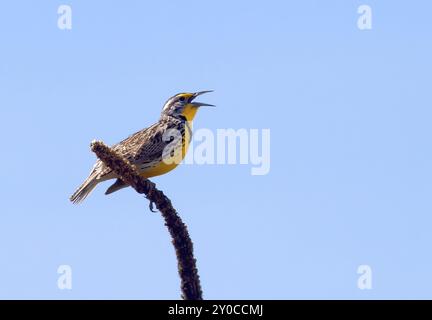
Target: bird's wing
[
  {"x": 143, "y": 148},
  {"x": 148, "y": 145}
]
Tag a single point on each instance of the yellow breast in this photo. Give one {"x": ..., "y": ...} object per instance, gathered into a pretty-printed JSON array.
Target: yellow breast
[{"x": 165, "y": 166}]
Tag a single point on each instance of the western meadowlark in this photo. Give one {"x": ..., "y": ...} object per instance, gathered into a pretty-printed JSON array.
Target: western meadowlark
[{"x": 153, "y": 151}]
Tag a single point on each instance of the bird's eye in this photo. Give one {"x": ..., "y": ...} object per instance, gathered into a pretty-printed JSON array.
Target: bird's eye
[{"x": 182, "y": 98}]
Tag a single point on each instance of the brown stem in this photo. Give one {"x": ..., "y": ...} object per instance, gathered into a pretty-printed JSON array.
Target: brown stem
[{"x": 190, "y": 282}]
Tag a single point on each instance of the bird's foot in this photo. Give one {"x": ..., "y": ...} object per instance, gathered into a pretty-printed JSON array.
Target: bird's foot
[
  {"x": 152, "y": 203},
  {"x": 151, "y": 206}
]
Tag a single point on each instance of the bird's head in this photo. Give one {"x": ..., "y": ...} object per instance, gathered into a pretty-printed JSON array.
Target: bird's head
[{"x": 183, "y": 105}]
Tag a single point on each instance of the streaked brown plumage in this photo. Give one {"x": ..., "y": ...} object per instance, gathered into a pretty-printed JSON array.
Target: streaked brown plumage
[{"x": 151, "y": 150}]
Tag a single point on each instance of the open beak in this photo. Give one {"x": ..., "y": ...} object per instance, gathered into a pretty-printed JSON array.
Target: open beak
[{"x": 200, "y": 104}]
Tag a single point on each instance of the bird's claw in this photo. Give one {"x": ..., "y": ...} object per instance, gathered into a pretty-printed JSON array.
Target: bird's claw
[
  {"x": 148, "y": 196},
  {"x": 151, "y": 206}
]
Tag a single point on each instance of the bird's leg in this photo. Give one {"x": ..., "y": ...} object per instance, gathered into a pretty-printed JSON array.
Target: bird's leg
[
  {"x": 151, "y": 205},
  {"x": 148, "y": 196}
]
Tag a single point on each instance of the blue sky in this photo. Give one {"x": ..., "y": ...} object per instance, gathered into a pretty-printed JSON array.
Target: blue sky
[{"x": 349, "y": 113}]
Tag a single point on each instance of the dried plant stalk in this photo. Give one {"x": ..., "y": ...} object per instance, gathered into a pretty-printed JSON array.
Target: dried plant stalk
[{"x": 190, "y": 282}]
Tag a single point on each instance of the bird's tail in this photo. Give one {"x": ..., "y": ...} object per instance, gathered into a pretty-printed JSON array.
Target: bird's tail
[
  {"x": 119, "y": 184},
  {"x": 84, "y": 190}
]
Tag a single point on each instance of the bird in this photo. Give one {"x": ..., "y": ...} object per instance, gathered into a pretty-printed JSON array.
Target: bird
[{"x": 153, "y": 151}]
